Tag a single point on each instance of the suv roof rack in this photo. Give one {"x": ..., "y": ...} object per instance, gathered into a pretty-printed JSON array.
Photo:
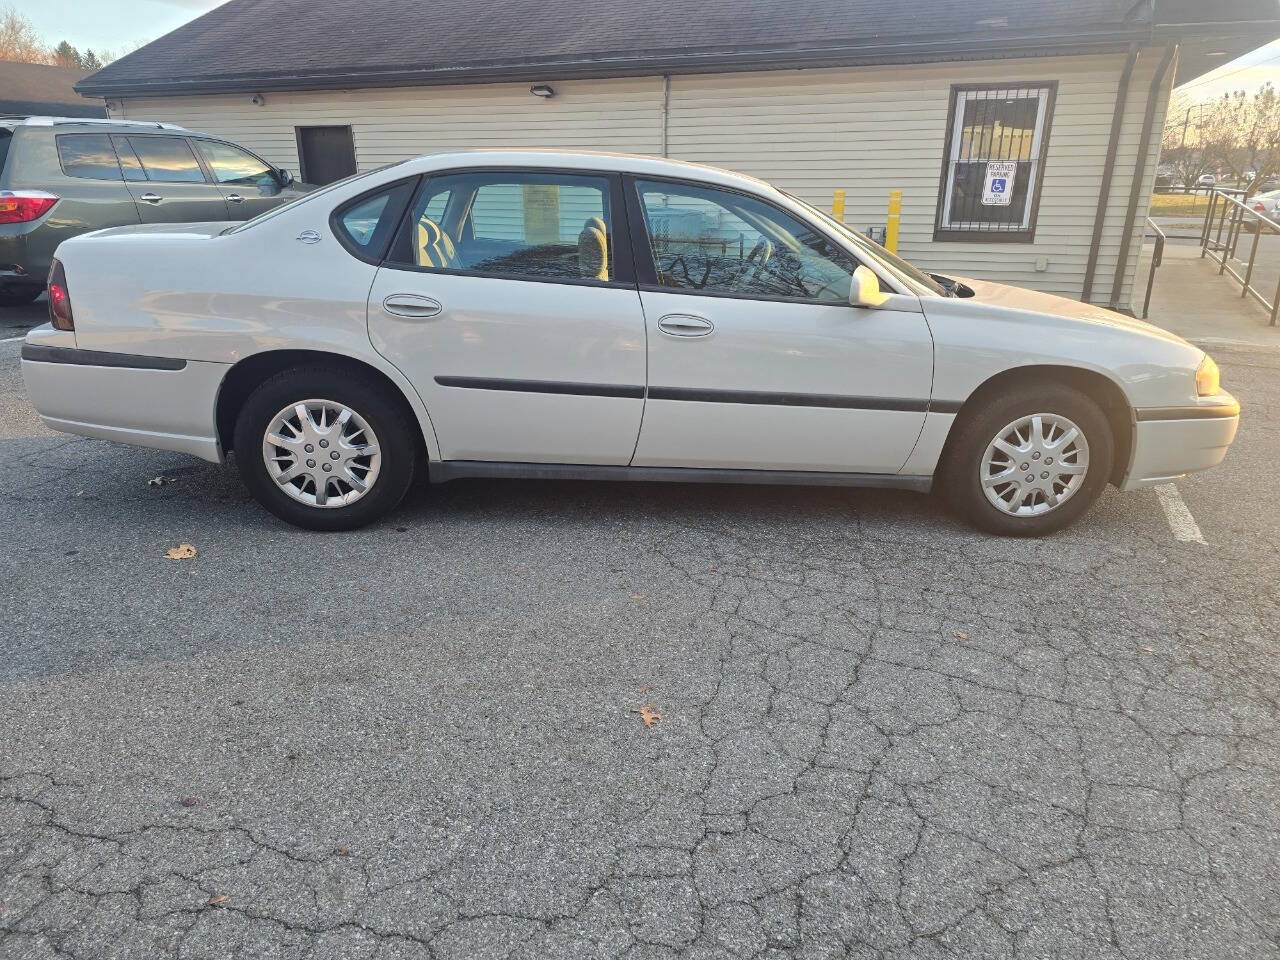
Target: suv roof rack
[{"x": 98, "y": 121}]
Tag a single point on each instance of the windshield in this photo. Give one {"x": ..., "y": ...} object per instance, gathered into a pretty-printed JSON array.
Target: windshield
[
  {"x": 307, "y": 197},
  {"x": 908, "y": 271}
]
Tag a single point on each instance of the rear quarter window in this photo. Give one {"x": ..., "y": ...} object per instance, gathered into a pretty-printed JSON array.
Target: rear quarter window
[{"x": 88, "y": 156}]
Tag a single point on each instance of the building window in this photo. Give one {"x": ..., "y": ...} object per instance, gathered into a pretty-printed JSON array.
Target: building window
[{"x": 996, "y": 142}]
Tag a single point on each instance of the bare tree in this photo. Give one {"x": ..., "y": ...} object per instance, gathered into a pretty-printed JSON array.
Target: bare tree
[{"x": 19, "y": 39}]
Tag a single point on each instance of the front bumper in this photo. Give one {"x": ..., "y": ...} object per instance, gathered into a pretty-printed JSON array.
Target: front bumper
[
  {"x": 1170, "y": 442},
  {"x": 145, "y": 401}
]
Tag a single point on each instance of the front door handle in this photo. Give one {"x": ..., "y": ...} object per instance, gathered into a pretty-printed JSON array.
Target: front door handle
[
  {"x": 411, "y": 306},
  {"x": 234, "y": 198},
  {"x": 150, "y": 198},
  {"x": 685, "y": 326}
]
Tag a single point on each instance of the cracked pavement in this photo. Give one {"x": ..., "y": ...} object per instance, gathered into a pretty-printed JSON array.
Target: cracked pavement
[{"x": 882, "y": 734}]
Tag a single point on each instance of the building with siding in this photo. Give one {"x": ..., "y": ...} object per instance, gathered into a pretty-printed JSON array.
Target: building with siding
[{"x": 1023, "y": 135}]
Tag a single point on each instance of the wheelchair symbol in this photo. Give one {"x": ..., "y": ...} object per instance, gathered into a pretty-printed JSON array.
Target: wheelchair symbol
[{"x": 998, "y": 184}]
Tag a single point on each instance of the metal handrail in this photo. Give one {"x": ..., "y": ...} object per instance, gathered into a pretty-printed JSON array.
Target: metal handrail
[
  {"x": 1231, "y": 215},
  {"x": 1157, "y": 258}
]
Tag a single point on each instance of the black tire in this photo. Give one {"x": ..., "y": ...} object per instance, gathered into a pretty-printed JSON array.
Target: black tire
[
  {"x": 19, "y": 296},
  {"x": 385, "y": 415},
  {"x": 959, "y": 479}
]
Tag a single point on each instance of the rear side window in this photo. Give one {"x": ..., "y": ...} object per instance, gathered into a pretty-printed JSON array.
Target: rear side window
[
  {"x": 167, "y": 159},
  {"x": 89, "y": 156},
  {"x": 366, "y": 225},
  {"x": 5, "y": 137}
]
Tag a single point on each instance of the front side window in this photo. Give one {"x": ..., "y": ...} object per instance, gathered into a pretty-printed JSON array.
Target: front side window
[
  {"x": 996, "y": 142},
  {"x": 89, "y": 156},
  {"x": 718, "y": 241},
  {"x": 167, "y": 159},
  {"x": 529, "y": 226},
  {"x": 231, "y": 165}
]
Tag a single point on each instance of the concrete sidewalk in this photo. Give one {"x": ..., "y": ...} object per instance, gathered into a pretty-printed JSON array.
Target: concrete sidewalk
[{"x": 1193, "y": 301}]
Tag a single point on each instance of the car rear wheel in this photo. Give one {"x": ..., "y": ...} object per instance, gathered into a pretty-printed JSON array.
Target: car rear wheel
[
  {"x": 19, "y": 296},
  {"x": 324, "y": 451},
  {"x": 1029, "y": 462}
]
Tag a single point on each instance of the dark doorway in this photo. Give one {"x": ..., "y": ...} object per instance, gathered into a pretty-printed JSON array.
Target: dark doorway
[{"x": 327, "y": 154}]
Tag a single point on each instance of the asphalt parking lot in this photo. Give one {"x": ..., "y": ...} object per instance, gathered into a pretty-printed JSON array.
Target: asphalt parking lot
[{"x": 881, "y": 734}]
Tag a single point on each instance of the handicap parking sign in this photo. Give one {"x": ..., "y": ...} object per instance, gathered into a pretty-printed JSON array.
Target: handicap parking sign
[{"x": 995, "y": 187}]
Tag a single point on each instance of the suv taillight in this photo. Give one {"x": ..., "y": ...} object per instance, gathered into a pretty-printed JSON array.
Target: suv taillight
[
  {"x": 24, "y": 206},
  {"x": 59, "y": 299}
]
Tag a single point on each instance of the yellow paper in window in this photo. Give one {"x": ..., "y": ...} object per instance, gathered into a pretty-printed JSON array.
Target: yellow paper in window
[{"x": 541, "y": 213}]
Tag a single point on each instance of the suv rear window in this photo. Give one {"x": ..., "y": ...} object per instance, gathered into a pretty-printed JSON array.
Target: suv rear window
[{"x": 89, "y": 156}]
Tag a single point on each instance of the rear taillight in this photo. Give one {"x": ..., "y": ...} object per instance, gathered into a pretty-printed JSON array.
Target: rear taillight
[
  {"x": 1260, "y": 208},
  {"x": 59, "y": 299},
  {"x": 24, "y": 206}
]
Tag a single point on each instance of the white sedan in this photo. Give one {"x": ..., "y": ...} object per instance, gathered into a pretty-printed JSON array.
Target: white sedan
[{"x": 594, "y": 316}]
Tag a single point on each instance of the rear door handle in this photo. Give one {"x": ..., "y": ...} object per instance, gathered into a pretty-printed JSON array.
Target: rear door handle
[
  {"x": 411, "y": 306},
  {"x": 234, "y": 198},
  {"x": 685, "y": 326},
  {"x": 150, "y": 198}
]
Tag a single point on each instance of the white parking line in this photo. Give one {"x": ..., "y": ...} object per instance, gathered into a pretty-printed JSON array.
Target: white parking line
[
  {"x": 13, "y": 340},
  {"x": 1181, "y": 522}
]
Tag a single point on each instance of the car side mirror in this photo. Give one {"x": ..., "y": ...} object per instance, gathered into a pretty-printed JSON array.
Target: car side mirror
[
  {"x": 284, "y": 176},
  {"x": 865, "y": 290}
]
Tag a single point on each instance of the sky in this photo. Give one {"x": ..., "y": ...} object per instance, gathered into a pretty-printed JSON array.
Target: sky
[{"x": 109, "y": 24}]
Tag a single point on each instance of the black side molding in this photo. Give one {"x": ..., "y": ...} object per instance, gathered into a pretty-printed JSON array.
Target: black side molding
[
  {"x": 1191, "y": 412},
  {"x": 545, "y": 386},
  {"x": 98, "y": 358},
  {"x": 837, "y": 401}
]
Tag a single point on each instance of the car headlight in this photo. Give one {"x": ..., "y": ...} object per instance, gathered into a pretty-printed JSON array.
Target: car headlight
[{"x": 1208, "y": 379}]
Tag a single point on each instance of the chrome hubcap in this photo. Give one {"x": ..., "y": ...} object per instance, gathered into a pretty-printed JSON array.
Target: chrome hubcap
[
  {"x": 1034, "y": 465},
  {"x": 321, "y": 453}
]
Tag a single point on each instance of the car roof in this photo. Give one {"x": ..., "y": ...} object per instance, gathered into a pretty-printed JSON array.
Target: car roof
[
  {"x": 590, "y": 160},
  {"x": 93, "y": 123}
]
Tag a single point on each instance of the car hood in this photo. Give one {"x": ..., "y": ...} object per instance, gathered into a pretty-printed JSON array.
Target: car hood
[{"x": 1032, "y": 301}]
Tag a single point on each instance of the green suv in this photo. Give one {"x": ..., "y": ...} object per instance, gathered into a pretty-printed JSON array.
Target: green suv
[{"x": 63, "y": 177}]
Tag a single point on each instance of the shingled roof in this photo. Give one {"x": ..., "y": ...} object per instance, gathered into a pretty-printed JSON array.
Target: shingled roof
[
  {"x": 36, "y": 89},
  {"x": 318, "y": 44}
]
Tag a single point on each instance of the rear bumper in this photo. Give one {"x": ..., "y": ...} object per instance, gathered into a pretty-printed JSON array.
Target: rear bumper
[
  {"x": 23, "y": 259},
  {"x": 144, "y": 401},
  {"x": 1171, "y": 442}
]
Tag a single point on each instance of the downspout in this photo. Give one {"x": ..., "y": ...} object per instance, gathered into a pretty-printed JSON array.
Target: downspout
[
  {"x": 666, "y": 111},
  {"x": 1108, "y": 170},
  {"x": 1140, "y": 171}
]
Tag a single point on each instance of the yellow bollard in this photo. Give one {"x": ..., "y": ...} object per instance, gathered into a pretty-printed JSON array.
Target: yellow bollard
[
  {"x": 837, "y": 205},
  {"x": 895, "y": 220}
]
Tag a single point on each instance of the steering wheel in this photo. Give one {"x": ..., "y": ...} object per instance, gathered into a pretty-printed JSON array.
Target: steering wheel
[{"x": 760, "y": 255}]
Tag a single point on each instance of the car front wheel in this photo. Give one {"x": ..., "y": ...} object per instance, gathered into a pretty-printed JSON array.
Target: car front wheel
[
  {"x": 1029, "y": 462},
  {"x": 323, "y": 450}
]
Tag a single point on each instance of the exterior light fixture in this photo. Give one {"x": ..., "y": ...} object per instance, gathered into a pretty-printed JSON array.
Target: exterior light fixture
[
  {"x": 258, "y": 100},
  {"x": 542, "y": 90}
]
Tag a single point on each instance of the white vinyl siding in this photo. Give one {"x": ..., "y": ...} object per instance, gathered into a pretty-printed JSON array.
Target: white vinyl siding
[{"x": 865, "y": 130}]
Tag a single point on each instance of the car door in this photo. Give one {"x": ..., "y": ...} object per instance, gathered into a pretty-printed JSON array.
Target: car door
[
  {"x": 509, "y": 300},
  {"x": 166, "y": 180},
  {"x": 756, "y": 358},
  {"x": 248, "y": 184}
]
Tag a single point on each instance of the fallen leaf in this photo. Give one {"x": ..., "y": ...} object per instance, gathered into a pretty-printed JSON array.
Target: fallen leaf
[
  {"x": 161, "y": 481},
  {"x": 648, "y": 714},
  {"x": 962, "y": 635},
  {"x": 637, "y": 597},
  {"x": 183, "y": 551},
  {"x": 191, "y": 801},
  {"x": 218, "y": 900},
  {"x": 340, "y": 850},
  {"x": 642, "y": 691}
]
